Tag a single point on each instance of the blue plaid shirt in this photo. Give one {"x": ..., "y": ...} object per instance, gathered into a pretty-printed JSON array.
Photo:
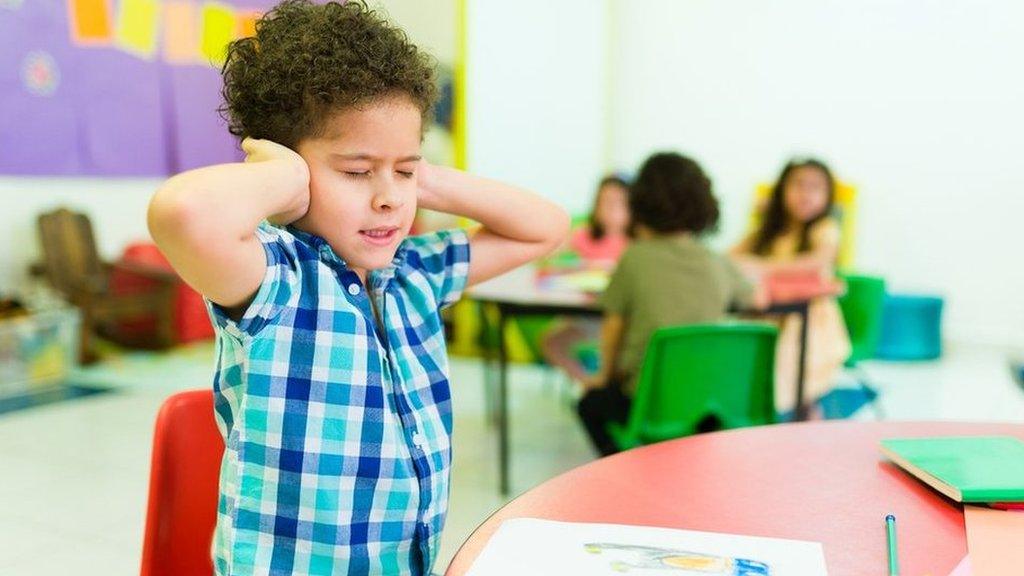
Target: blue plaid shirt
[{"x": 337, "y": 428}]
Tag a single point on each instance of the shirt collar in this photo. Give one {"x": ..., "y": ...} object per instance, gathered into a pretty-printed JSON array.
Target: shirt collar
[{"x": 378, "y": 278}]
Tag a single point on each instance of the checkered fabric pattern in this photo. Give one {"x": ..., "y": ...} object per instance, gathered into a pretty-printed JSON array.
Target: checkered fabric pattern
[{"x": 337, "y": 428}]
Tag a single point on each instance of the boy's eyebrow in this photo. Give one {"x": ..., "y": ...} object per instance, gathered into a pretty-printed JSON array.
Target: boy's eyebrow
[{"x": 362, "y": 156}]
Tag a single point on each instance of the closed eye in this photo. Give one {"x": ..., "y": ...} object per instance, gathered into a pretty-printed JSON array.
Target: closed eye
[
  {"x": 357, "y": 174},
  {"x": 405, "y": 174}
]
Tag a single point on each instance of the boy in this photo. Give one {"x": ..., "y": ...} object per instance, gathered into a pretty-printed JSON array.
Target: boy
[
  {"x": 331, "y": 388},
  {"x": 666, "y": 277}
]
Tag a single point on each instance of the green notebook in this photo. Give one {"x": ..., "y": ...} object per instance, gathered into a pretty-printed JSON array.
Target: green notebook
[{"x": 966, "y": 468}]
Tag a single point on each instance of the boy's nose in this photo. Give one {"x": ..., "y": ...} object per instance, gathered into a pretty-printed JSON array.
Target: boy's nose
[{"x": 387, "y": 198}]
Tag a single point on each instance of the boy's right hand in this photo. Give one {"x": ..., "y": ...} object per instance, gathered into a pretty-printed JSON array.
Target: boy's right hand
[{"x": 257, "y": 150}]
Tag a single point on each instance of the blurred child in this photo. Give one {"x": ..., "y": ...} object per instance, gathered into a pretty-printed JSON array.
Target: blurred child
[
  {"x": 666, "y": 277},
  {"x": 798, "y": 235},
  {"x": 606, "y": 234},
  {"x": 598, "y": 245}
]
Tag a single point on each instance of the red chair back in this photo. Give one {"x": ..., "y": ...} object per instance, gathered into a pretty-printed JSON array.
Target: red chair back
[{"x": 182, "y": 512}]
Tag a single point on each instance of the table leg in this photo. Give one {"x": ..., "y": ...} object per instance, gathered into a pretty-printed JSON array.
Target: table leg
[
  {"x": 490, "y": 359},
  {"x": 503, "y": 402},
  {"x": 801, "y": 411}
]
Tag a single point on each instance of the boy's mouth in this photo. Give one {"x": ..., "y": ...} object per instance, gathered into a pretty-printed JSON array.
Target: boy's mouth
[{"x": 380, "y": 236}]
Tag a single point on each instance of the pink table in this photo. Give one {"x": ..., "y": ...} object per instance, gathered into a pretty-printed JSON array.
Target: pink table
[{"x": 818, "y": 481}]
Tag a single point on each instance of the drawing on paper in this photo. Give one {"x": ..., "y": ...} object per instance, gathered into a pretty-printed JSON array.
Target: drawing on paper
[{"x": 623, "y": 558}]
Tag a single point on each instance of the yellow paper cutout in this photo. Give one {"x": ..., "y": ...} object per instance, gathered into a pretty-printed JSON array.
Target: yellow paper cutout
[
  {"x": 137, "y": 26},
  {"x": 218, "y": 30},
  {"x": 90, "y": 22},
  {"x": 181, "y": 34}
]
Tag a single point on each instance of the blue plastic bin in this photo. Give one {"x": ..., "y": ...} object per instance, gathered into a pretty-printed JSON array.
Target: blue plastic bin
[{"x": 911, "y": 328}]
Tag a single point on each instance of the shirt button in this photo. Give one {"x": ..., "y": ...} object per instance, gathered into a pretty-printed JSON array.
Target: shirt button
[
  {"x": 353, "y": 289},
  {"x": 417, "y": 440}
]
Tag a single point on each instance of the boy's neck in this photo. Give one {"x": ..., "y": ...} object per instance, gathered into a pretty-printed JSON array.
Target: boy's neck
[{"x": 361, "y": 273}]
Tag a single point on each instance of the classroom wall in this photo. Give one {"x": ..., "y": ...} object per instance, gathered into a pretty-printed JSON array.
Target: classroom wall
[
  {"x": 117, "y": 208},
  {"x": 920, "y": 104},
  {"x": 537, "y": 99},
  {"x": 536, "y": 117}
]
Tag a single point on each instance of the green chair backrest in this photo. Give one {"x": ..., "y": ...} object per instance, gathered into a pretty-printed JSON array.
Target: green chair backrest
[
  {"x": 532, "y": 329},
  {"x": 862, "y": 307},
  {"x": 692, "y": 373}
]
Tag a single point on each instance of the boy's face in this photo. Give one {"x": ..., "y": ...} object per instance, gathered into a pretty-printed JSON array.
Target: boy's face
[{"x": 362, "y": 181}]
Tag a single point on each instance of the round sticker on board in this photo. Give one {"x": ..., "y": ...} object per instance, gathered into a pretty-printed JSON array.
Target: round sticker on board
[{"x": 39, "y": 73}]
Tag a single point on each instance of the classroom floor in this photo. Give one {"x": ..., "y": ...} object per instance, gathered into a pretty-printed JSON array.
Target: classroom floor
[{"x": 73, "y": 475}]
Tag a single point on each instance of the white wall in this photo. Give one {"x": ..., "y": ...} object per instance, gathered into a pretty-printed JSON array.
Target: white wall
[
  {"x": 117, "y": 208},
  {"x": 920, "y": 104},
  {"x": 432, "y": 25},
  {"x": 537, "y": 95}
]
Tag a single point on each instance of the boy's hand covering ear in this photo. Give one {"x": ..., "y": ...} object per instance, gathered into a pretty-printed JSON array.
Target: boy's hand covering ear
[
  {"x": 425, "y": 195},
  {"x": 257, "y": 150}
]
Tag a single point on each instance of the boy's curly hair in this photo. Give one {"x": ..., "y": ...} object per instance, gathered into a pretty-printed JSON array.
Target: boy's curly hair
[
  {"x": 308, "y": 61},
  {"x": 672, "y": 194}
]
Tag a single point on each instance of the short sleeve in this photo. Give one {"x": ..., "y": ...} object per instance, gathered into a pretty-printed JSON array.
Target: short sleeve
[
  {"x": 579, "y": 239},
  {"x": 741, "y": 291},
  {"x": 277, "y": 291},
  {"x": 442, "y": 260},
  {"x": 825, "y": 234},
  {"x": 615, "y": 298}
]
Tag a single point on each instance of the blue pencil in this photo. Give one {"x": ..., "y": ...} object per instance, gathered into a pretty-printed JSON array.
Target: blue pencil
[{"x": 890, "y": 534}]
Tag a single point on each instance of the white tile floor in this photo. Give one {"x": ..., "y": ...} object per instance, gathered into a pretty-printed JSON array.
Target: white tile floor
[{"x": 73, "y": 476}]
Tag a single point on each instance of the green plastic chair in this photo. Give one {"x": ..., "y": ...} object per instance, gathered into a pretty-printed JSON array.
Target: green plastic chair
[
  {"x": 862, "y": 307},
  {"x": 695, "y": 375}
]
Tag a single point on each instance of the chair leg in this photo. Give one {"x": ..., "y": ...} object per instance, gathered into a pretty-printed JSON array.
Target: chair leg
[{"x": 86, "y": 353}]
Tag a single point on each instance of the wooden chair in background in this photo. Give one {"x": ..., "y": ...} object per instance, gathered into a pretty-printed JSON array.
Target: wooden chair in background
[{"x": 74, "y": 268}]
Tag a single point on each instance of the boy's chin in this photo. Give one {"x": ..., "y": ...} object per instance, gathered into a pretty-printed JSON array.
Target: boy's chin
[{"x": 381, "y": 259}]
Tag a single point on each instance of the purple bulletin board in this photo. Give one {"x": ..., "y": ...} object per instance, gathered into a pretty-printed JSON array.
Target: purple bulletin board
[{"x": 115, "y": 87}]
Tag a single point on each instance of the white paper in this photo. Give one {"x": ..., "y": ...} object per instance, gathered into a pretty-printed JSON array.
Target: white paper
[{"x": 527, "y": 546}]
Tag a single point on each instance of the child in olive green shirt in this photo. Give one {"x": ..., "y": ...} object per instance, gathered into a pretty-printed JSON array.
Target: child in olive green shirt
[{"x": 665, "y": 278}]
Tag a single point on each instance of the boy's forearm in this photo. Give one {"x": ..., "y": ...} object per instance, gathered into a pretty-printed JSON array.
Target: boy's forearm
[
  {"x": 501, "y": 208},
  {"x": 230, "y": 200}
]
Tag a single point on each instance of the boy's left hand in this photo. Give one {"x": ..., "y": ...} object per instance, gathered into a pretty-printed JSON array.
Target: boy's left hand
[{"x": 426, "y": 186}]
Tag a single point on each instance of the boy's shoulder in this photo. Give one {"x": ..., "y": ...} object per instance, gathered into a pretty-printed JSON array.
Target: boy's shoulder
[
  {"x": 662, "y": 246},
  {"x": 432, "y": 249}
]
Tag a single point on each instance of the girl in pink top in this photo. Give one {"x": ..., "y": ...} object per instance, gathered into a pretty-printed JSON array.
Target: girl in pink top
[
  {"x": 599, "y": 245},
  {"x": 605, "y": 236}
]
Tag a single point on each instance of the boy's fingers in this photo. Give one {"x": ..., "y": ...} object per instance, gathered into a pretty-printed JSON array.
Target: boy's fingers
[{"x": 248, "y": 145}]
